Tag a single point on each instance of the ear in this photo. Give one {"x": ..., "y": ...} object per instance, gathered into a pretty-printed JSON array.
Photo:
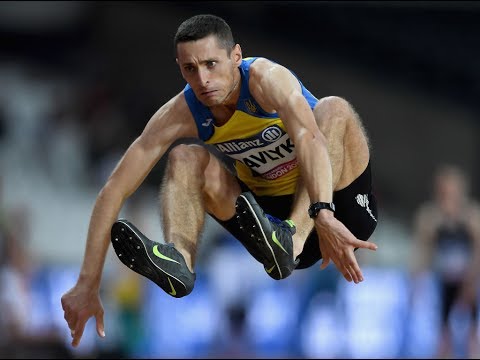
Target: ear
[
  {"x": 237, "y": 54},
  {"x": 176, "y": 60}
]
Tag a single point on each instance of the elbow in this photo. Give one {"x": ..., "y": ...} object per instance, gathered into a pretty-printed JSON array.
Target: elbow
[
  {"x": 111, "y": 192},
  {"x": 307, "y": 137}
]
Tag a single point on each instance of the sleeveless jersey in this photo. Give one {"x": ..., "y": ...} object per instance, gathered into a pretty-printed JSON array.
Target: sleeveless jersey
[{"x": 263, "y": 153}]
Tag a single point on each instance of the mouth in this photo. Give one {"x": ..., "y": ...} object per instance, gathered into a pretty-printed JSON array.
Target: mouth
[{"x": 209, "y": 93}]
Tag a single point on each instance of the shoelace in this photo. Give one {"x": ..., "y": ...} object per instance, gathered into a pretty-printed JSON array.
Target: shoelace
[
  {"x": 277, "y": 221},
  {"x": 273, "y": 219}
]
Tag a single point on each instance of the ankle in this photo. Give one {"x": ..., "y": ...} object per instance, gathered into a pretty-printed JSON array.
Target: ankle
[
  {"x": 298, "y": 243},
  {"x": 187, "y": 257}
]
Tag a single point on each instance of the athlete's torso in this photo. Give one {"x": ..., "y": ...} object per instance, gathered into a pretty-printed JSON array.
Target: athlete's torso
[
  {"x": 453, "y": 249},
  {"x": 265, "y": 158}
]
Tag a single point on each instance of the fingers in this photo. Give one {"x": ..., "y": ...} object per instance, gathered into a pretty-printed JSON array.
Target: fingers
[
  {"x": 100, "y": 325},
  {"x": 349, "y": 268},
  {"x": 355, "y": 273},
  {"x": 76, "y": 323},
  {"x": 71, "y": 321},
  {"x": 354, "y": 268},
  {"x": 365, "y": 244},
  {"x": 349, "y": 273},
  {"x": 341, "y": 253},
  {"x": 325, "y": 262},
  {"x": 77, "y": 333}
]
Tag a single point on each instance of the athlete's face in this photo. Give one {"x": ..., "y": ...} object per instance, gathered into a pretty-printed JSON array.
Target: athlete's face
[
  {"x": 209, "y": 70},
  {"x": 450, "y": 192}
]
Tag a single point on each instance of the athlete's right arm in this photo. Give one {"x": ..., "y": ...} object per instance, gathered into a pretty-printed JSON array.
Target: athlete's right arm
[{"x": 171, "y": 122}]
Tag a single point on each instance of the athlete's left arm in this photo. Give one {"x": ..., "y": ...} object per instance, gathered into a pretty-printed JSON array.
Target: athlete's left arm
[{"x": 276, "y": 89}]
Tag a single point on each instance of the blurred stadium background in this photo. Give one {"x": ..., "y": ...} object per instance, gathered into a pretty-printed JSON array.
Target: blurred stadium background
[{"x": 78, "y": 82}]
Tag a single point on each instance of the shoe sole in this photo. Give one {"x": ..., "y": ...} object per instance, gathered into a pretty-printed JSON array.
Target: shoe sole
[
  {"x": 130, "y": 247},
  {"x": 246, "y": 208}
]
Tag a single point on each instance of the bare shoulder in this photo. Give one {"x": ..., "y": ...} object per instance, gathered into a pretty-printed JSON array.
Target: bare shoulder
[
  {"x": 271, "y": 84},
  {"x": 172, "y": 119},
  {"x": 426, "y": 215},
  {"x": 426, "y": 210},
  {"x": 176, "y": 107},
  {"x": 170, "y": 122},
  {"x": 260, "y": 65},
  {"x": 263, "y": 68}
]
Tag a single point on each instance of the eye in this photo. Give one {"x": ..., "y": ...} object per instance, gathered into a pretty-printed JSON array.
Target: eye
[
  {"x": 211, "y": 64},
  {"x": 189, "y": 69}
]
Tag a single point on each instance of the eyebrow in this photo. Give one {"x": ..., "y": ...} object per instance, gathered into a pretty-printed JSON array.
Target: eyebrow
[{"x": 203, "y": 62}]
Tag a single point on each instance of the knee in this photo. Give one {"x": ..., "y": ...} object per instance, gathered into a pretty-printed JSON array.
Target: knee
[
  {"x": 334, "y": 111},
  {"x": 333, "y": 102},
  {"x": 334, "y": 105},
  {"x": 190, "y": 157}
]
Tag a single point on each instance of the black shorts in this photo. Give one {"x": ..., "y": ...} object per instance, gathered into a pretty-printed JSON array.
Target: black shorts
[
  {"x": 355, "y": 207},
  {"x": 449, "y": 295}
]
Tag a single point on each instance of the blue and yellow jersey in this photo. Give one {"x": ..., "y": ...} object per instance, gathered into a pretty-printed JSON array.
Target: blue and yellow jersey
[{"x": 265, "y": 158}]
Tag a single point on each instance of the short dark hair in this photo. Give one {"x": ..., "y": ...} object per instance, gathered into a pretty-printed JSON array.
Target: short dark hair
[{"x": 201, "y": 26}]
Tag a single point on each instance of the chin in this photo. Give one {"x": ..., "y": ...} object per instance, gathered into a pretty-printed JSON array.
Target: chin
[{"x": 211, "y": 102}]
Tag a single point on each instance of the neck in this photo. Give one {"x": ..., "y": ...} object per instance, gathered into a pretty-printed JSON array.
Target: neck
[{"x": 231, "y": 94}]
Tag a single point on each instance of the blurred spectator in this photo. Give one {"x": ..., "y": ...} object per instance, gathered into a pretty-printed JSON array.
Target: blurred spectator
[
  {"x": 447, "y": 243},
  {"x": 21, "y": 337}
]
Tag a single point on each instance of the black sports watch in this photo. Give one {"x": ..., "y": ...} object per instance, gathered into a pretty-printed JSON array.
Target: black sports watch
[{"x": 316, "y": 207}]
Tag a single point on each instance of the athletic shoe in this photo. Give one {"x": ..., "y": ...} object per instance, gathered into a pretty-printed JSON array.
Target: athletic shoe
[
  {"x": 271, "y": 236},
  {"x": 161, "y": 263}
]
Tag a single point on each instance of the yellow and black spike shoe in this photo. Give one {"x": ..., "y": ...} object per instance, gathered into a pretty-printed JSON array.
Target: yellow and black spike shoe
[
  {"x": 269, "y": 235},
  {"x": 161, "y": 263}
]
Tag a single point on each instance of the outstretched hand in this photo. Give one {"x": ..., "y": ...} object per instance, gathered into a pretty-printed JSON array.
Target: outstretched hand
[
  {"x": 79, "y": 304},
  {"x": 337, "y": 244}
]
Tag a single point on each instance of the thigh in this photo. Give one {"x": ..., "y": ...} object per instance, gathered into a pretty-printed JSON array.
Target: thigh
[
  {"x": 221, "y": 187},
  {"x": 356, "y": 206},
  {"x": 346, "y": 139},
  {"x": 200, "y": 166}
]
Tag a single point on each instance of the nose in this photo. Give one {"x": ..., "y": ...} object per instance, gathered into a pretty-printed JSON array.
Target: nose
[{"x": 203, "y": 77}]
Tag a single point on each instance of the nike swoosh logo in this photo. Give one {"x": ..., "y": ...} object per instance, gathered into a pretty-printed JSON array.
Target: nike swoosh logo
[
  {"x": 275, "y": 240},
  {"x": 173, "y": 292},
  {"x": 161, "y": 256},
  {"x": 270, "y": 270}
]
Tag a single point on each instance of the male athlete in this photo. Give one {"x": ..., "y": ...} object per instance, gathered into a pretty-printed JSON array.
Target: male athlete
[{"x": 296, "y": 158}]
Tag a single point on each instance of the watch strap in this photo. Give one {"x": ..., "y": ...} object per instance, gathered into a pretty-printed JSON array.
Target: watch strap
[{"x": 314, "y": 208}]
